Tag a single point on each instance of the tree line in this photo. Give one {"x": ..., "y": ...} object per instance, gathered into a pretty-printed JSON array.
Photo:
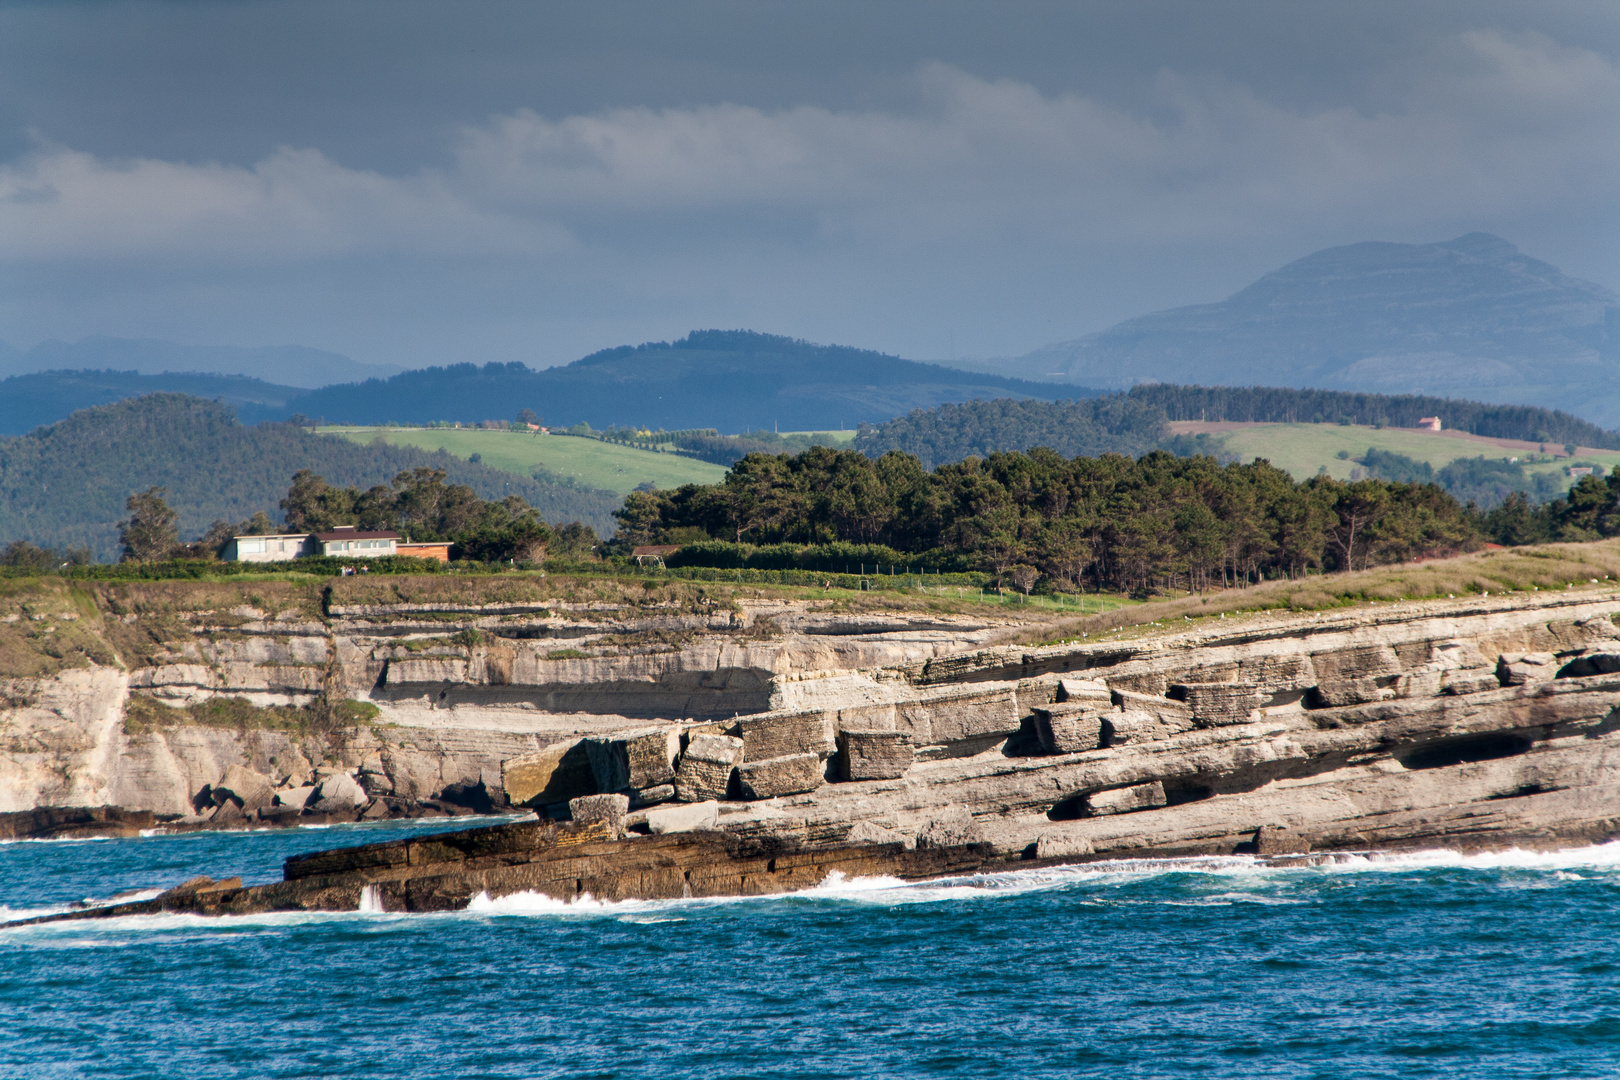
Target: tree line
[
  {"x": 419, "y": 504},
  {"x": 1134, "y": 422},
  {"x": 1105, "y": 521},
  {"x": 1284, "y": 405}
]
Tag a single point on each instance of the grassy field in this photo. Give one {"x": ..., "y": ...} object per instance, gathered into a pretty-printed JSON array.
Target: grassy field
[
  {"x": 1303, "y": 449},
  {"x": 589, "y": 462}
]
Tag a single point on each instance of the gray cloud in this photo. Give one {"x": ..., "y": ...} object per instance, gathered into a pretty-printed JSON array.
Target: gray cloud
[{"x": 954, "y": 212}]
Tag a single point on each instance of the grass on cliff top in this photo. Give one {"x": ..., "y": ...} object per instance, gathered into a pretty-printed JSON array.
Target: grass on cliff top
[
  {"x": 670, "y": 594},
  {"x": 1548, "y": 567},
  {"x": 144, "y": 713}
]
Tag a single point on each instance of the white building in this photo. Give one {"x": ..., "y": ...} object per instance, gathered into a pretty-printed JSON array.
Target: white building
[
  {"x": 267, "y": 548},
  {"x": 344, "y": 541},
  {"x": 348, "y": 542}
]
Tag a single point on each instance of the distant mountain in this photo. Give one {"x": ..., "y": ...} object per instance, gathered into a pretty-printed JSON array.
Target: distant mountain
[
  {"x": 730, "y": 380},
  {"x": 65, "y": 485},
  {"x": 285, "y": 365},
  {"x": 27, "y": 401},
  {"x": 1472, "y": 317}
]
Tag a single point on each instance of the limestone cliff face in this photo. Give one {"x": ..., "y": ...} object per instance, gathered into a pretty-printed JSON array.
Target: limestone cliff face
[
  {"x": 1465, "y": 721},
  {"x": 458, "y": 685}
]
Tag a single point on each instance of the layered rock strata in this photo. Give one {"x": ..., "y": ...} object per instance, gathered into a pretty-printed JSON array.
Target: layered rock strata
[{"x": 1477, "y": 723}]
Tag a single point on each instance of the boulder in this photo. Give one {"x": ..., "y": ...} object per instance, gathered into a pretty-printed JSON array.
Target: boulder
[
  {"x": 1335, "y": 693},
  {"x": 608, "y": 809},
  {"x": 1129, "y": 728},
  {"x": 634, "y": 760},
  {"x": 1085, "y": 690},
  {"x": 874, "y": 755},
  {"x": 791, "y": 774},
  {"x": 337, "y": 793},
  {"x": 689, "y": 817},
  {"x": 1218, "y": 704},
  {"x": 951, "y": 827},
  {"x": 942, "y": 719},
  {"x": 1125, "y": 800},
  {"x": 294, "y": 797},
  {"x": 1518, "y": 669},
  {"x": 555, "y": 774},
  {"x": 767, "y": 737},
  {"x": 869, "y": 717},
  {"x": 1279, "y": 840},
  {"x": 1069, "y": 728},
  {"x": 375, "y": 810},
  {"x": 1061, "y": 846},
  {"x": 1469, "y": 681},
  {"x": 652, "y": 796},
  {"x": 1356, "y": 662},
  {"x": 227, "y": 813},
  {"x": 708, "y": 768},
  {"x": 1590, "y": 664},
  {"x": 1175, "y": 715},
  {"x": 250, "y": 790}
]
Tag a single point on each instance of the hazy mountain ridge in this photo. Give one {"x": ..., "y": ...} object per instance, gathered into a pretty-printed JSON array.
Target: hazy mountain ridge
[
  {"x": 287, "y": 365},
  {"x": 1472, "y": 317},
  {"x": 730, "y": 380},
  {"x": 30, "y": 401}
]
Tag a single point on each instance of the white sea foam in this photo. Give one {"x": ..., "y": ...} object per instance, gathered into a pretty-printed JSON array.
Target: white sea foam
[{"x": 1234, "y": 879}]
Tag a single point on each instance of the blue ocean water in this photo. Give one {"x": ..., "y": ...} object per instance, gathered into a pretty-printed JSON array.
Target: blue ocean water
[{"x": 1424, "y": 965}]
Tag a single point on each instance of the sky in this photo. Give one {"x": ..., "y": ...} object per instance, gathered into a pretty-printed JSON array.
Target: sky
[{"x": 421, "y": 183}]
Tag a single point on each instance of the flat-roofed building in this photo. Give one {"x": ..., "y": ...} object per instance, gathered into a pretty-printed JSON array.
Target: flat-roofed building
[
  {"x": 279, "y": 548},
  {"x": 348, "y": 542}
]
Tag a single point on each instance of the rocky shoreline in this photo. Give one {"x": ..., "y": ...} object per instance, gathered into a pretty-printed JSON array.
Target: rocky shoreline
[{"x": 1476, "y": 723}]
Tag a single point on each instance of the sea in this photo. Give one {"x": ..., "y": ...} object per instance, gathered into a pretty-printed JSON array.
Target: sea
[{"x": 1431, "y": 964}]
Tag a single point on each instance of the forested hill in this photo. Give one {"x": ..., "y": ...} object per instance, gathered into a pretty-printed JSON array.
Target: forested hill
[
  {"x": 1134, "y": 422},
  {"x": 731, "y": 380},
  {"x": 29, "y": 401},
  {"x": 1277, "y": 405},
  {"x": 65, "y": 485},
  {"x": 1116, "y": 424}
]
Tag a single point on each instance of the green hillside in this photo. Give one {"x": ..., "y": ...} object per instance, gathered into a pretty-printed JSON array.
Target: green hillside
[
  {"x": 65, "y": 485},
  {"x": 1306, "y": 449},
  {"x": 590, "y": 463}
]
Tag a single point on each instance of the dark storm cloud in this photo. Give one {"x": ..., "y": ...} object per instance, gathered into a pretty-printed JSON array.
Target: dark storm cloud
[{"x": 425, "y": 182}]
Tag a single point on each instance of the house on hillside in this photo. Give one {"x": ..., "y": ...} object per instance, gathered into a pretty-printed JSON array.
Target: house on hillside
[
  {"x": 279, "y": 548},
  {"x": 1430, "y": 422},
  {"x": 348, "y": 542},
  {"x": 344, "y": 541}
]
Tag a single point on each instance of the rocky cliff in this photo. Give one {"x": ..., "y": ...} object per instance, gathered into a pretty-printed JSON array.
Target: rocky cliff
[{"x": 809, "y": 726}]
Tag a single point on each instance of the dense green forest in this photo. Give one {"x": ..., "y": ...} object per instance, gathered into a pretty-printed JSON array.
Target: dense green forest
[
  {"x": 65, "y": 486},
  {"x": 1103, "y": 521},
  {"x": 1133, "y": 422},
  {"x": 1270, "y": 404},
  {"x": 1117, "y": 423},
  {"x": 1109, "y": 520}
]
